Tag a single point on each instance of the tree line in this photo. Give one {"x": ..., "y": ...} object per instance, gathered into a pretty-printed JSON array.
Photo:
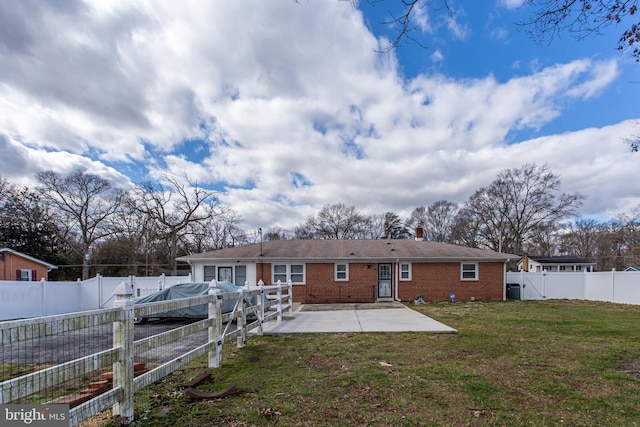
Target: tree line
[{"x": 86, "y": 225}]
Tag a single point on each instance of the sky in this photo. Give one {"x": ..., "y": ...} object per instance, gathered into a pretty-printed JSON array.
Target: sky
[{"x": 283, "y": 107}]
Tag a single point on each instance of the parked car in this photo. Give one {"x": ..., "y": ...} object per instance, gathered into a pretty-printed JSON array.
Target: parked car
[{"x": 188, "y": 290}]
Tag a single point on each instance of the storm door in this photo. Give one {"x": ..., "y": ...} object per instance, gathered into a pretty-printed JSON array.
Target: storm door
[
  {"x": 384, "y": 281},
  {"x": 225, "y": 274}
]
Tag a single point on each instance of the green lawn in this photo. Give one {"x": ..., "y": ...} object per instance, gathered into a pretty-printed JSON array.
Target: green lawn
[{"x": 512, "y": 363}]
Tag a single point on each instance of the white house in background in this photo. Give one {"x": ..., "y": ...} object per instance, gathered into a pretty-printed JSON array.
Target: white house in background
[
  {"x": 554, "y": 263},
  {"x": 636, "y": 268}
]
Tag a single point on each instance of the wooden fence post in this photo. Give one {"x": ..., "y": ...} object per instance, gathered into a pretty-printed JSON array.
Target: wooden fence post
[
  {"x": 215, "y": 313},
  {"x": 123, "y": 339}
]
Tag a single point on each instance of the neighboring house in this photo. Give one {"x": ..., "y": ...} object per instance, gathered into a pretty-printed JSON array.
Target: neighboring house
[
  {"x": 167, "y": 272},
  {"x": 636, "y": 268},
  {"x": 554, "y": 263},
  {"x": 15, "y": 265},
  {"x": 333, "y": 271}
]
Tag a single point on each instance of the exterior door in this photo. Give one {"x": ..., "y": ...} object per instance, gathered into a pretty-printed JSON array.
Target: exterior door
[
  {"x": 225, "y": 274},
  {"x": 384, "y": 281}
]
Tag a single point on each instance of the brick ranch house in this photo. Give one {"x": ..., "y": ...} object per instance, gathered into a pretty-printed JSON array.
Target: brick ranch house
[
  {"x": 341, "y": 271},
  {"x": 15, "y": 265}
]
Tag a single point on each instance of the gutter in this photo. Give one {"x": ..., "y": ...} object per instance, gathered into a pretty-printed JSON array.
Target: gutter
[{"x": 349, "y": 259}]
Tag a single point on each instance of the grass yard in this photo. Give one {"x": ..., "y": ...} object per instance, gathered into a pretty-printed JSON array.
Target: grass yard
[{"x": 512, "y": 363}]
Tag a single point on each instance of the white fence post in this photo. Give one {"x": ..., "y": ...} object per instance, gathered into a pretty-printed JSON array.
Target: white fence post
[
  {"x": 613, "y": 285},
  {"x": 42, "y": 302},
  {"x": 242, "y": 320},
  {"x": 290, "y": 292},
  {"x": 123, "y": 339},
  {"x": 279, "y": 301},
  {"x": 99, "y": 277},
  {"x": 215, "y": 313}
]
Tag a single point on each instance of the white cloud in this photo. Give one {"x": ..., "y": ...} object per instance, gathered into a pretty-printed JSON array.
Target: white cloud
[
  {"x": 511, "y": 4},
  {"x": 286, "y": 105},
  {"x": 437, "y": 56}
]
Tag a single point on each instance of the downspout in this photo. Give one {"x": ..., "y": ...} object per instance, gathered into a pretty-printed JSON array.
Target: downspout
[
  {"x": 504, "y": 280},
  {"x": 397, "y": 280}
]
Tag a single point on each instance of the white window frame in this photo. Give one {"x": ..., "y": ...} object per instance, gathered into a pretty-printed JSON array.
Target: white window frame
[
  {"x": 408, "y": 271},
  {"x": 288, "y": 273},
  {"x": 204, "y": 272},
  {"x": 236, "y": 276},
  {"x": 226, "y": 268},
  {"x": 337, "y": 272},
  {"x": 28, "y": 277},
  {"x": 475, "y": 270}
]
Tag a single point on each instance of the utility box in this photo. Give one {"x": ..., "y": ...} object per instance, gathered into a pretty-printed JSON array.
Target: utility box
[{"x": 513, "y": 291}]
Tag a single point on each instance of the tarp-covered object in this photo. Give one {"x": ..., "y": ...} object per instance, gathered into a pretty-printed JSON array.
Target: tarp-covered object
[{"x": 190, "y": 290}]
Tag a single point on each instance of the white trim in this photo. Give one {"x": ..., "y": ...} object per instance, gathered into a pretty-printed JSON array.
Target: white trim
[
  {"x": 29, "y": 277},
  {"x": 288, "y": 273},
  {"x": 345, "y": 272},
  {"x": 409, "y": 271},
  {"x": 20, "y": 254},
  {"x": 462, "y": 271}
]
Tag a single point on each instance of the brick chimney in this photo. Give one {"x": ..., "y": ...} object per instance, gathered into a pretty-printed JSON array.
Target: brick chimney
[
  {"x": 525, "y": 262},
  {"x": 419, "y": 234}
]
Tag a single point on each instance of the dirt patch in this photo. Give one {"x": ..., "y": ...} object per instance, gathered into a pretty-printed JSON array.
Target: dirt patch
[{"x": 631, "y": 369}]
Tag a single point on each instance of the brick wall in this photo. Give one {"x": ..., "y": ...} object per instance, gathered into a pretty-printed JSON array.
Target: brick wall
[
  {"x": 13, "y": 262},
  {"x": 434, "y": 281},
  {"x": 323, "y": 288}
]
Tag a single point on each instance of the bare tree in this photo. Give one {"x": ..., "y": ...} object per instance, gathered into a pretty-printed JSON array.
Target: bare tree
[
  {"x": 174, "y": 210},
  {"x": 583, "y": 18},
  {"x": 519, "y": 204},
  {"x": 439, "y": 220},
  {"x": 336, "y": 221},
  {"x": 220, "y": 230},
  {"x": 374, "y": 226},
  {"x": 465, "y": 229},
  {"x": 549, "y": 18},
  {"x": 276, "y": 233},
  {"x": 581, "y": 237},
  {"x": 418, "y": 218},
  {"x": 403, "y": 16},
  {"x": 84, "y": 205}
]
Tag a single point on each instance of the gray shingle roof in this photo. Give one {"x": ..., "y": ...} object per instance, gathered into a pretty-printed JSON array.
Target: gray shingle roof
[
  {"x": 563, "y": 259},
  {"x": 357, "y": 249}
]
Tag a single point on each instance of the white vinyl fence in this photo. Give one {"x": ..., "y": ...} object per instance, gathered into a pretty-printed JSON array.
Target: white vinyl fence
[
  {"x": 20, "y": 300},
  {"x": 612, "y": 286}
]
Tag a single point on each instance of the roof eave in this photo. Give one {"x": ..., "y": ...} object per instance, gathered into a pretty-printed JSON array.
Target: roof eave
[{"x": 350, "y": 259}]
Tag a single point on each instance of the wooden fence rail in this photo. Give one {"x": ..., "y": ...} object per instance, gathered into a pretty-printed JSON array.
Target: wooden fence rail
[{"x": 258, "y": 302}]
